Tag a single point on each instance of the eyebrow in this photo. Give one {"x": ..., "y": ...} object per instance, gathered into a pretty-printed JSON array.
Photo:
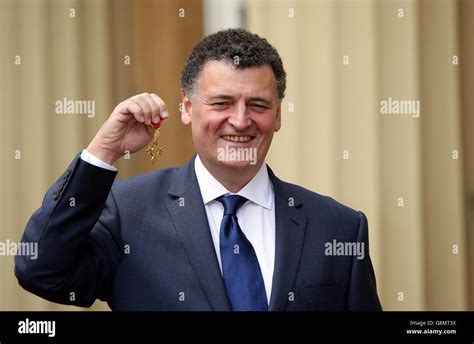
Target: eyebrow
[
  {"x": 228, "y": 97},
  {"x": 220, "y": 96},
  {"x": 266, "y": 102}
]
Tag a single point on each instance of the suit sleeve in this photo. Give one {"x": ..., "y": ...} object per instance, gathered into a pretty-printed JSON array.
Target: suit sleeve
[
  {"x": 77, "y": 231},
  {"x": 362, "y": 294}
]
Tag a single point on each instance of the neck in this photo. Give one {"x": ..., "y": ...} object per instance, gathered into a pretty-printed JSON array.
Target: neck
[{"x": 232, "y": 178}]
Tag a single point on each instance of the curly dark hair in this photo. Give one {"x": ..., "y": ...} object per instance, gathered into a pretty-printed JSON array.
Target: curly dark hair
[{"x": 241, "y": 48}]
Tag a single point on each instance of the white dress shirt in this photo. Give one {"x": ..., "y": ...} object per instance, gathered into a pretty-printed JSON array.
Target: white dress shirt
[
  {"x": 256, "y": 217},
  {"x": 93, "y": 160}
]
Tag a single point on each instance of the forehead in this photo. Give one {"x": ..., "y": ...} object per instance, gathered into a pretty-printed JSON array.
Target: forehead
[{"x": 222, "y": 77}]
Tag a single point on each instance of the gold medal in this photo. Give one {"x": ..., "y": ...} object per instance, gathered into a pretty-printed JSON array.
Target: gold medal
[{"x": 154, "y": 150}]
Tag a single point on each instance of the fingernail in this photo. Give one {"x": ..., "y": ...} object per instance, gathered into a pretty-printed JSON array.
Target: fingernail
[
  {"x": 156, "y": 119},
  {"x": 165, "y": 114}
]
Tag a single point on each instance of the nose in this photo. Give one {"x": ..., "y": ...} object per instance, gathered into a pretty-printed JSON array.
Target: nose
[{"x": 239, "y": 118}]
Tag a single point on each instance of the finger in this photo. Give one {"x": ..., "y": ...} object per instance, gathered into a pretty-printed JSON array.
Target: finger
[
  {"x": 142, "y": 102},
  {"x": 129, "y": 107},
  {"x": 155, "y": 108},
  {"x": 137, "y": 111},
  {"x": 163, "y": 109}
]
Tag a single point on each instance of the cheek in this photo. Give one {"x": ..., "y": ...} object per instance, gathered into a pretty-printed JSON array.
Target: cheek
[
  {"x": 266, "y": 126},
  {"x": 213, "y": 125},
  {"x": 207, "y": 126}
]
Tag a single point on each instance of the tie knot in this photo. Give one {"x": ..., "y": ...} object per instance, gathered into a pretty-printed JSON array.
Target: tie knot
[{"x": 231, "y": 203}]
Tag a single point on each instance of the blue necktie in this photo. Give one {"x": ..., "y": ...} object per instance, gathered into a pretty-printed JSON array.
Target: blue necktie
[{"x": 240, "y": 269}]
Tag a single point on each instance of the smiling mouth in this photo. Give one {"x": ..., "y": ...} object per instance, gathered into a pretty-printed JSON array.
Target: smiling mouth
[{"x": 238, "y": 138}]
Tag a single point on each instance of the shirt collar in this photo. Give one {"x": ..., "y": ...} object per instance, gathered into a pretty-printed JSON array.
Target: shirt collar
[{"x": 258, "y": 190}]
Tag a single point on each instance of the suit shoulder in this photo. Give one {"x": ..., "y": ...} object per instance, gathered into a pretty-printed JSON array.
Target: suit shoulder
[{"x": 315, "y": 203}]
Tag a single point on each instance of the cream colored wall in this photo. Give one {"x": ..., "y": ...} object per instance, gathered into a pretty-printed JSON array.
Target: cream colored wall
[
  {"x": 336, "y": 109},
  {"x": 79, "y": 58},
  {"x": 443, "y": 187},
  {"x": 466, "y": 27}
]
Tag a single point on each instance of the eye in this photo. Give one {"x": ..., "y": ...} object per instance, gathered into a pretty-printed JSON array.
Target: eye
[
  {"x": 220, "y": 106},
  {"x": 259, "y": 107}
]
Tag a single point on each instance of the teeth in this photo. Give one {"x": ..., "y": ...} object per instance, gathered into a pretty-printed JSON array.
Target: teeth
[{"x": 237, "y": 138}]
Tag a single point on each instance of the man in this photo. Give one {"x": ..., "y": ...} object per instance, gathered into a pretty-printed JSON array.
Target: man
[{"x": 220, "y": 233}]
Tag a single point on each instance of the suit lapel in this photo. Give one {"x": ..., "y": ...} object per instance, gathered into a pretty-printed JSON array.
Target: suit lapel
[
  {"x": 188, "y": 214},
  {"x": 290, "y": 226}
]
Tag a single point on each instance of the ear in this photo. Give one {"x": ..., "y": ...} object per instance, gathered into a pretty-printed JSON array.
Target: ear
[
  {"x": 278, "y": 118},
  {"x": 187, "y": 107}
]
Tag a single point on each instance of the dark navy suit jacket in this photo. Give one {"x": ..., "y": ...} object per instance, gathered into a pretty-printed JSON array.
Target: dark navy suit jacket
[{"x": 145, "y": 244}]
